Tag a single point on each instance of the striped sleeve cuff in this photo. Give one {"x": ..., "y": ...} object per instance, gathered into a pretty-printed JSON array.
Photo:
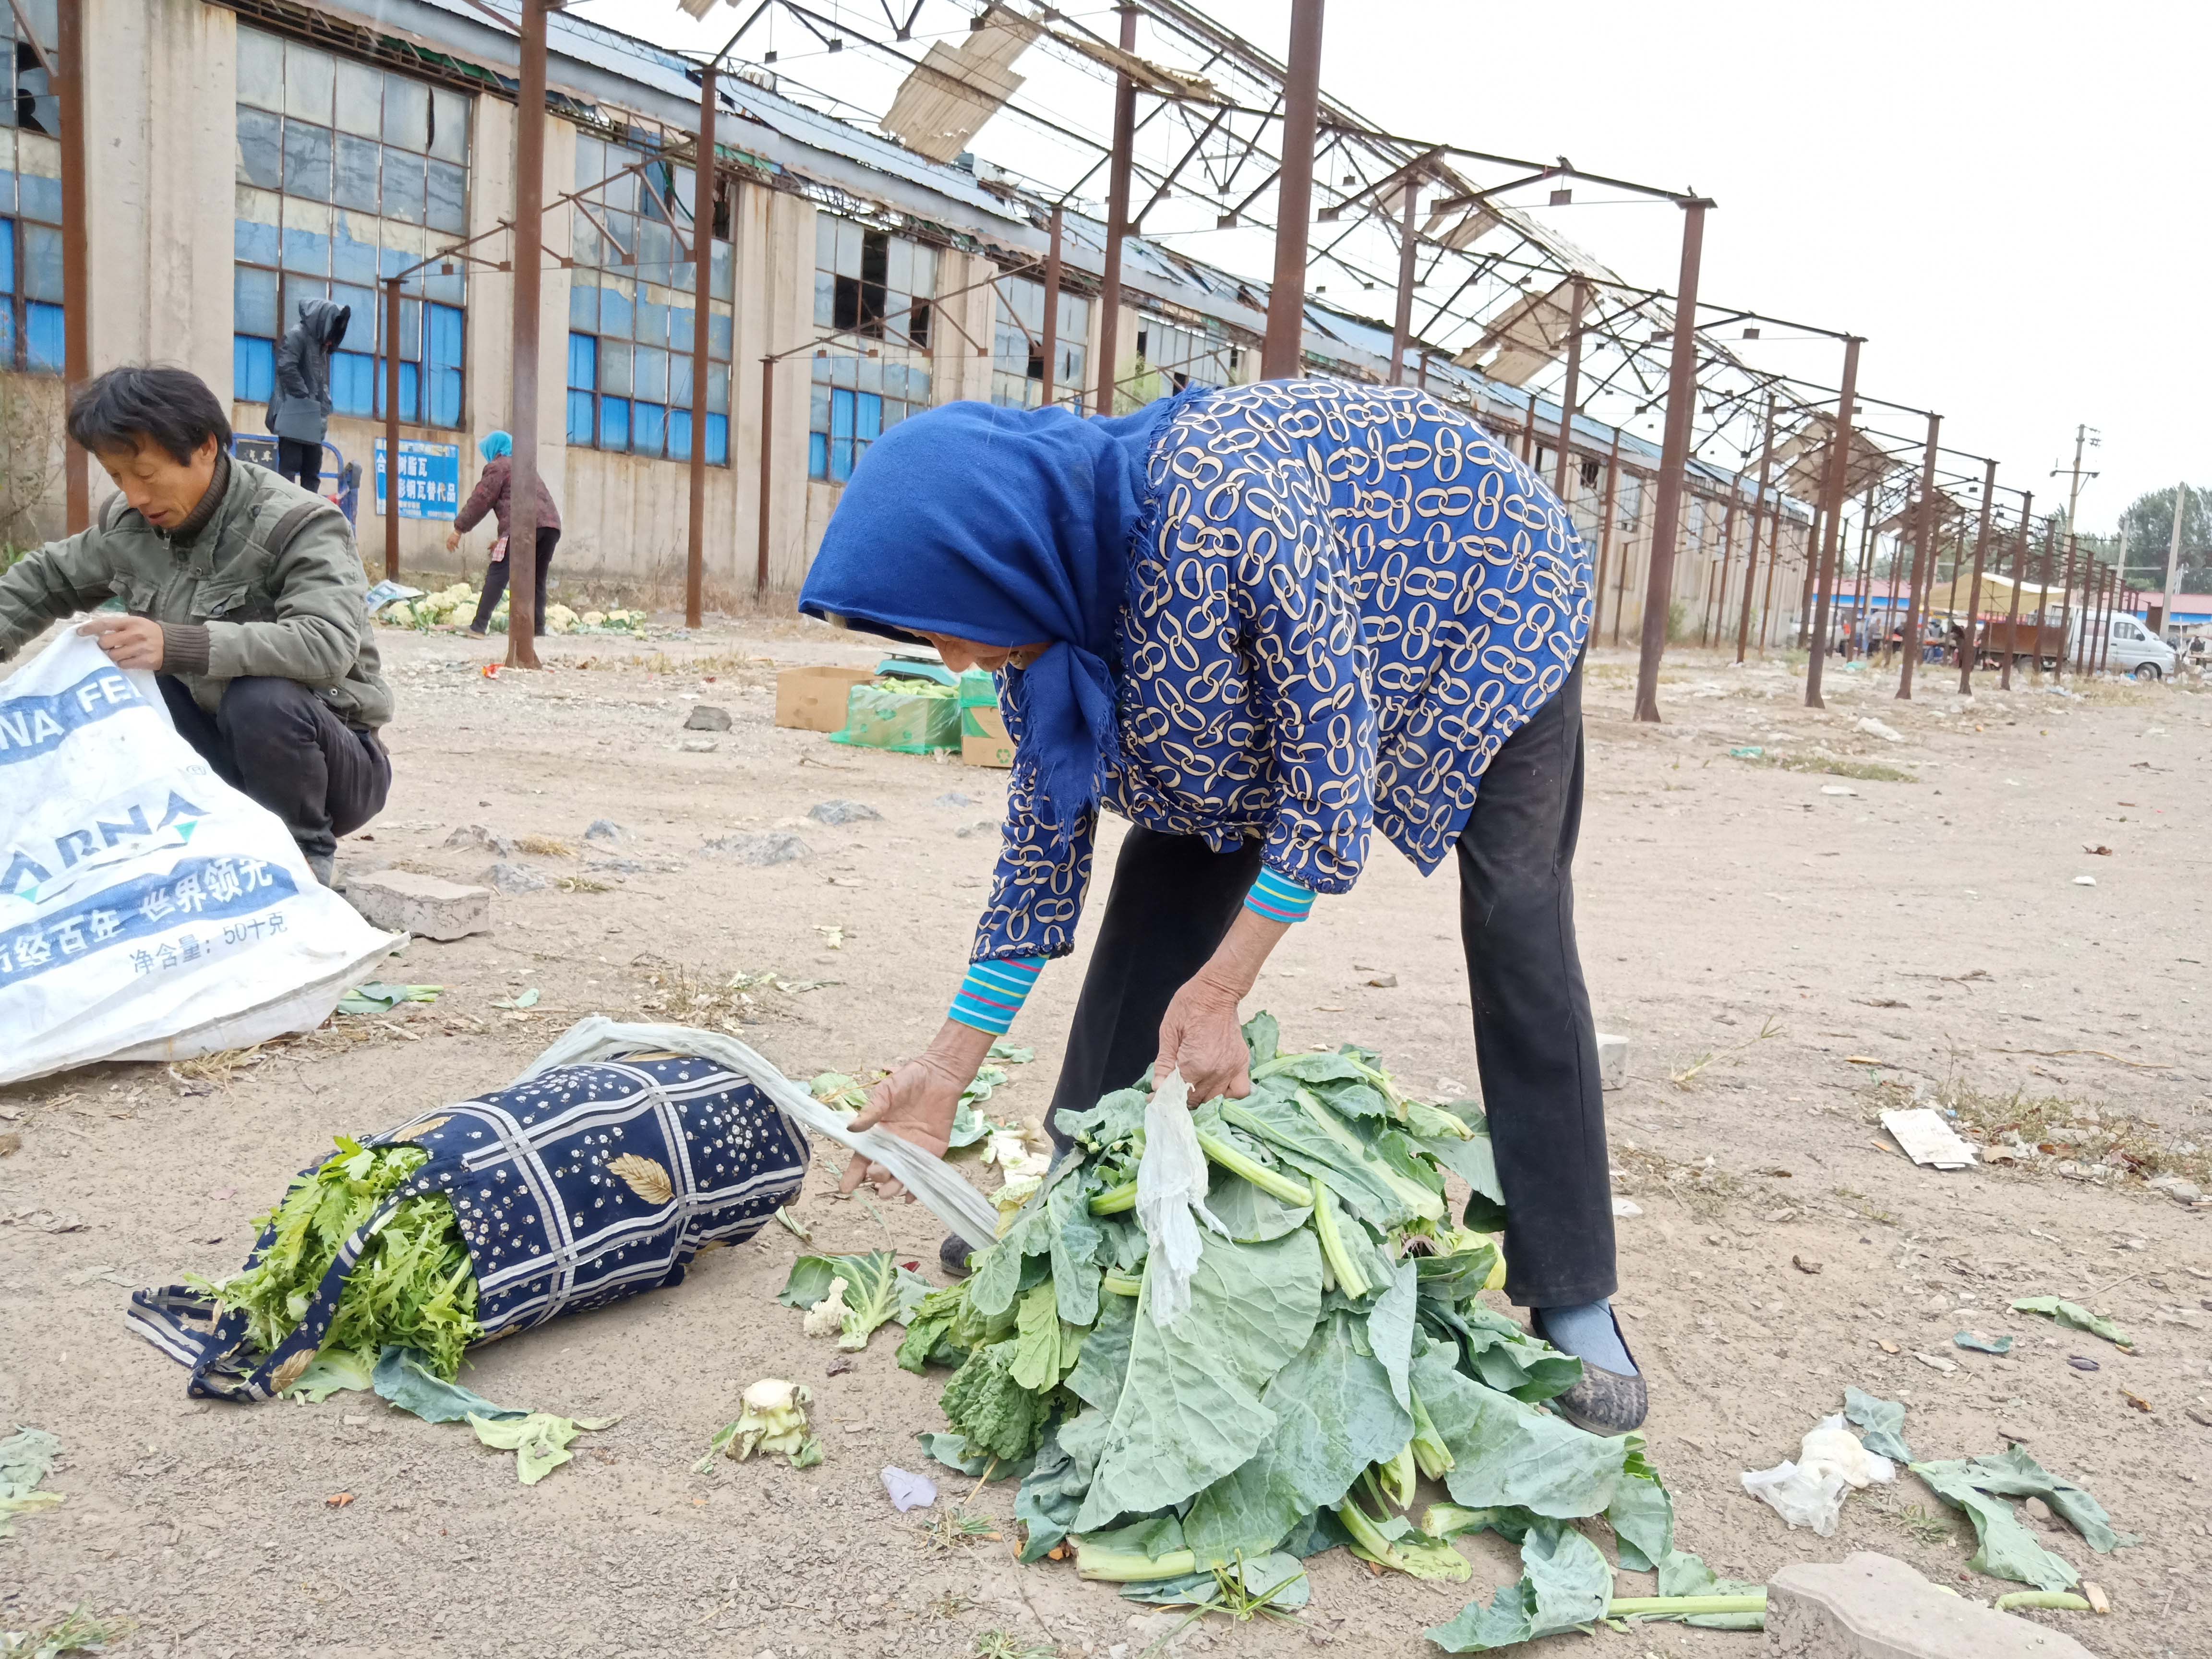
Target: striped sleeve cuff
[
  {"x": 1278, "y": 898},
  {"x": 993, "y": 993}
]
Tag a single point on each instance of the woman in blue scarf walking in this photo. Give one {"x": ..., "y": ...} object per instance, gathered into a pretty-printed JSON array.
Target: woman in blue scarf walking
[
  {"x": 494, "y": 494},
  {"x": 1261, "y": 623}
]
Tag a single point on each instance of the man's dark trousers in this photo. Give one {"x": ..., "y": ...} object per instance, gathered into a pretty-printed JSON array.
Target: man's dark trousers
[{"x": 275, "y": 741}]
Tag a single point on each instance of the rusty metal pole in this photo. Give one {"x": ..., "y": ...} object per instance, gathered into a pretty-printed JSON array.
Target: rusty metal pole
[
  {"x": 1409, "y": 261},
  {"x": 1716, "y": 617},
  {"x": 1573, "y": 391},
  {"x": 1773, "y": 564},
  {"x": 2019, "y": 578},
  {"x": 1832, "y": 502},
  {"x": 2108, "y": 580},
  {"x": 1974, "y": 593},
  {"x": 1046, "y": 393},
  {"x": 1862, "y": 592},
  {"x": 1282, "y": 353},
  {"x": 1923, "y": 561},
  {"x": 1605, "y": 539},
  {"x": 391, "y": 429},
  {"x": 703, "y": 284},
  {"x": 1758, "y": 508},
  {"x": 1812, "y": 567},
  {"x": 1674, "y": 461},
  {"x": 1117, "y": 217},
  {"x": 522, "y": 415},
  {"x": 2043, "y": 599},
  {"x": 68, "y": 84},
  {"x": 1627, "y": 552},
  {"x": 1896, "y": 561},
  {"x": 1528, "y": 434},
  {"x": 2067, "y": 644},
  {"x": 767, "y": 469}
]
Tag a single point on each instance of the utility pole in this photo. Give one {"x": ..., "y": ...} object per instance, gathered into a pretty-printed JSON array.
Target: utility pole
[
  {"x": 1974, "y": 601},
  {"x": 1824, "y": 564},
  {"x": 1674, "y": 461},
  {"x": 1117, "y": 214},
  {"x": 1757, "y": 510},
  {"x": 529, "y": 244},
  {"x": 1282, "y": 353},
  {"x": 2172, "y": 562},
  {"x": 2087, "y": 436}
]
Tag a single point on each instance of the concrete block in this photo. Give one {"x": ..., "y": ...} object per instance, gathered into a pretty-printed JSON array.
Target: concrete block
[
  {"x": 705, "y": 717},
  {"x": 1871, "y": 1607},
  {"x": 402, "y": 900},
  {"x": 1611, "y": 1060}
]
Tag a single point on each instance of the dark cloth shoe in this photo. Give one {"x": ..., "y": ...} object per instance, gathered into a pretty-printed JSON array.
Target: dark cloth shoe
[
  {"x": 1604, "y": 1402},
  {"x": 952, "y": 1256}
]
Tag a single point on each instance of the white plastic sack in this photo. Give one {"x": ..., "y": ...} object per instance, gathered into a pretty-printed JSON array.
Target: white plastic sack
[
  {"x": 1171, "y": 1182},
  {"x": 147, "y": 910},
  {"x": 1830, "y": 1464}
]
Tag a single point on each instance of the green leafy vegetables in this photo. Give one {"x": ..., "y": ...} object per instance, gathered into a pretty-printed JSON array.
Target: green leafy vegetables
[
  {"x": 413, "y": 1286},
  {"x": 1334, "y": 1355}
]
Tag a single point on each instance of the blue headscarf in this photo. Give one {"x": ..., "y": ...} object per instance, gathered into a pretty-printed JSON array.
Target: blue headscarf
[
  {"x": 495, "y": 445},
  {"x": 1008, "y": 527}
]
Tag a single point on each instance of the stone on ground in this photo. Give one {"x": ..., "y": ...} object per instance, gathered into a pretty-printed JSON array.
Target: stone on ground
[
  {"x": 1611, "y": 1060},
  {"x": 1871, "y": 1607},
  {"x": 403, "y": 901},
  {"x": 705, "y": 717}
]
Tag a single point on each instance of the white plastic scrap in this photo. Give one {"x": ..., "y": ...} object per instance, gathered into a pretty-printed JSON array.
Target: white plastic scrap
[
  {"x": 908, "y": 1491},
  {"x": 1927, "y": 1138},
  {"x": 1809, "y": 1492},
  {"x": 1171, "y": 1182},
  {"x": 1874, "y": 728}
]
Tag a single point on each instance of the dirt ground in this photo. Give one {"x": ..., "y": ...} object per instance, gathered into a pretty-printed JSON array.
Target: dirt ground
[{"x": 1906, "y": 924}]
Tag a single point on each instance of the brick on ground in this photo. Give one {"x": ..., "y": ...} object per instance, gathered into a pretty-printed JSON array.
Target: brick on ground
[
  {"x": 405, "y": 901},
  {"x": 1872, "y": 1606}
]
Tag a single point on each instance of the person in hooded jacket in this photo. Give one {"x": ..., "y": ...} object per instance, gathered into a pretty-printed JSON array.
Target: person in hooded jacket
[
  {"x": 1267, "y": 625},
  {"x": 299, "y": 407}
]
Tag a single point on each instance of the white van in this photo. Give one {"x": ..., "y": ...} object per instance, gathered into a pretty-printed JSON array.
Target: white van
[{"x": 2134, "y": 649}]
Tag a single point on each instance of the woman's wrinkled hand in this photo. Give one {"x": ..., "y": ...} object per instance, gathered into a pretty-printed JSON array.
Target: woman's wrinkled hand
[
  {"x": 452, "y": 540},
  {"x": 1201, "y": 1037},
  {"x": 915, "y": 1103}
]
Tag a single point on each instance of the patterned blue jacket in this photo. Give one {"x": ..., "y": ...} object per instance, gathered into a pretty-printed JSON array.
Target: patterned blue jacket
[{"x": 1342, "y": 600}]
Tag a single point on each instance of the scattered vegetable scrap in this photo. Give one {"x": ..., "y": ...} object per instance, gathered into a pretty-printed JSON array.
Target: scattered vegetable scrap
[
  {"x": 772, "y": 1419},
  {"x": 2075, "y": 1316}
]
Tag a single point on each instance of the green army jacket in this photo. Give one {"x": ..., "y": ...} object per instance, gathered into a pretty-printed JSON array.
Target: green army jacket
[{"x": 269, "y": 585}]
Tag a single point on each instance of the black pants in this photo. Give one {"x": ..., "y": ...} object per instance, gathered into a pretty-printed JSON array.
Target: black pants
[
  {"x": 1172, "y": 900},
  {"x": 496, "y": 583},
  {"x": 302, "y": 463},
  {"x": 277, "y": 743}
]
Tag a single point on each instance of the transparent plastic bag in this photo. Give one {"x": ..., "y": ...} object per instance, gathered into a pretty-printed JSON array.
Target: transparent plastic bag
[
  {"x": 1810, "y": 1492},
  {"x": 1171, "y": 1182}
]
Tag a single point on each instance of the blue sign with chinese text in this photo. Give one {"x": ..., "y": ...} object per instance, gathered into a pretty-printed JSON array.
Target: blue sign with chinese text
[{"x": 430, "y": 480}]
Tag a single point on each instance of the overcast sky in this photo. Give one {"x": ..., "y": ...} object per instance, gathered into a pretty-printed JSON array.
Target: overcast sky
[{"x": 1999, "y": 197}]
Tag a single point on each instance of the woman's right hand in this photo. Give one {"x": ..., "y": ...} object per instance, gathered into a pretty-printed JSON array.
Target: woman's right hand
[
  {"x": 452, "y": 540},
  {"x": 917, "y": 1101}
]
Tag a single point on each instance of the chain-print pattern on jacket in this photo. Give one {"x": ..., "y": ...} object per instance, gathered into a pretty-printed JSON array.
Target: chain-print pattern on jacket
[{"x": 1342, "y": 600}]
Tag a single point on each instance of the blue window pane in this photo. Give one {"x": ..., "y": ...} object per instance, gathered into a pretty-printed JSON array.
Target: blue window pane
[
  {"x": 649, "y": 373},
  {"x": 584, "y": 307},
  {"x": 583, "y": 364},
  {"x": 718, "y": 387},
  {"x": 718, "y": 337},
  {"x": 361, "y": 317},
  {"x": 614, "y": 424},
  {"x": 353, "y": 382},
  {"x": 261, "y": 148},
  {"x": 445, "y": 337},
  {"x": 255, "y": 241},
  {"x": 679, "y": 380},
  {"x": 410, "y": 380},
  {"x": 403, "y": 184},
  {"x": 817, "y": 451},
  {"x": 617, "y": 317},
  {"x": 679, "y": 434},
  {"x": 42, "y": 350},
  {"x": 869, "y": 426},
  {"x": 306, "y": 160},
  {"x": 354, "y": 259},
  {"x": 681, "y": 324},
  {"x": 254, "y": 301},
  {"x": 307, "y": 251},
  {"x": 7, "y": 337},
  {"x": 580, "y": 419},
  {"x": 718, "y": 442},
  {"x": 445, "y": 397},
  {"x": 6, "y": 179},
  {"x": 42, "y": 264},
  {"x": 6, "y": 256},
  {"x": 649, "y": 428},
  {"x": 841, "y": 414},
  {"x": 840, "y": 460},
  {"x": 652, "y": 323},
  {"x": 614, "y": 365},
  {"x": 252, "y": 368}
]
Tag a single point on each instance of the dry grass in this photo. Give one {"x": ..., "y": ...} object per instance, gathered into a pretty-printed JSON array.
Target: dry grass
[
  {"x": 548, "y": 847},
  {"x": 1862, "y": 1207},
  {"x": 1703, "y": 1188},
  {"x": 2059, "y": 1127},
  {"x": 1866, "y": 771},
  {"x": 1689, "y": 1074}
]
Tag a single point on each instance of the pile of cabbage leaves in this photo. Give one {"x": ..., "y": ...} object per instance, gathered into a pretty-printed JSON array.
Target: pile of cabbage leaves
[{"x": 1333, "y": 1361}]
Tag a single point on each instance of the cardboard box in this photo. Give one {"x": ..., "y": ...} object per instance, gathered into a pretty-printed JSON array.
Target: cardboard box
[
  {"x": 984, "y": 740},
  {"x": 813, "y": 699}
]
